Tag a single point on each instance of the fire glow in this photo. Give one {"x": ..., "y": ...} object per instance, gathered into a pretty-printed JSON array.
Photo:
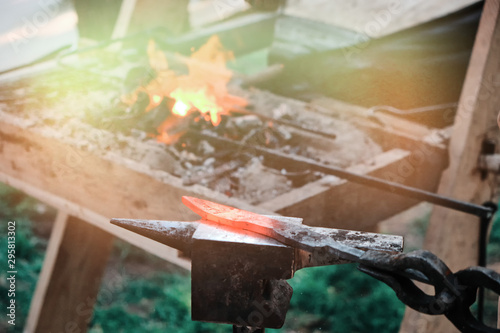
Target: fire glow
[{"x": 203, "y": 89}]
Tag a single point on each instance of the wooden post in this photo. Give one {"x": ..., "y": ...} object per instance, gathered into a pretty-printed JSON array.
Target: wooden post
[
  {"x": 123, "y": 20},
  {"x": 453, "y": 236},
  {"x": 70, "y": 278}
]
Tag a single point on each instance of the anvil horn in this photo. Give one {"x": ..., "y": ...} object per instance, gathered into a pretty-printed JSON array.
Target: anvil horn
[{"x": 171, "y": 233}]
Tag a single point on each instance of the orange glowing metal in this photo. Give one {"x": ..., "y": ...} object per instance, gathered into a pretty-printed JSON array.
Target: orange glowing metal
[
  {"x": 299, "y": 236},
  {"x": 236, "y": 218}
]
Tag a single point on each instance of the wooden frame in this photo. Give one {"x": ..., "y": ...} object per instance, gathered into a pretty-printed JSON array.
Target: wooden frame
[{"x": 452, "y": 235}]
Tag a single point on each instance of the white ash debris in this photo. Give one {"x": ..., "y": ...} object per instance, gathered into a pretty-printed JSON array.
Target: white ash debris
[{"x": 259, "y": 183}]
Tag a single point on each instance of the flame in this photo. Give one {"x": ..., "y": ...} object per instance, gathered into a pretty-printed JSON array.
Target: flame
[
  {"x": 180, "y": 108},
  {"x": 187, "y": 100},
  {"x": 204, "y": 89},
  {"x": 157, "y": 99}
]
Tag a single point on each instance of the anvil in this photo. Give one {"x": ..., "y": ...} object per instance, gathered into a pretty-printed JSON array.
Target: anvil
[{"x": 240, "y": 260}]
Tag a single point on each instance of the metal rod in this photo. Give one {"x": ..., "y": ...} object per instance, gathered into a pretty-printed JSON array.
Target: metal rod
[{"x": 388, "y": 186}]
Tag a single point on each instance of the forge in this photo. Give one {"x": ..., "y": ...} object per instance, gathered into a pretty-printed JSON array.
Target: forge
[
  {"x": 85, "y": 134},
  {"x": 86, "y": 152}
]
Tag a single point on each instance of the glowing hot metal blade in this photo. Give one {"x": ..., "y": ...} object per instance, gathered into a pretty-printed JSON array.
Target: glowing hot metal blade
[{"x": 287, "y": 233}]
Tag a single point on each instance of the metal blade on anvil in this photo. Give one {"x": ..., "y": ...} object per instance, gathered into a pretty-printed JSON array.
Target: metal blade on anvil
[
  {"x": 287, "y": 233},
  {"x": 179, "y": 235}
]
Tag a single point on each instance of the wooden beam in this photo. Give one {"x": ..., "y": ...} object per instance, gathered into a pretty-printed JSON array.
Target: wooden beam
[
  {"x": 453, "y": 236},
  {"x": 46, "y": 273},
  {"x": 123, "y": 20},
  {"x": 100, "y": 221},
  {"x": 71, "y": 276}
]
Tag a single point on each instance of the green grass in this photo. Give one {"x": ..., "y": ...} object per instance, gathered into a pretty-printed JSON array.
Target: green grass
[
  {"x": 342, "y": 299},
  {"x": 494, "y": 244},
  {"x": 493, "y": 253},
  {"x": 156, "y": 301}
]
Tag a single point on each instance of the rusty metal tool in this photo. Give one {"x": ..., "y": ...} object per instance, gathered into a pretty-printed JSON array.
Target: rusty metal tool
[{"x": 243, "y": 246}]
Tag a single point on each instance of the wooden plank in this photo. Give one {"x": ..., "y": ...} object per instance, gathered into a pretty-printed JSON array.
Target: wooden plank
[
  {"x": 100, "y": 221},
  {"x": 47, "y": 270},
  {"x": 123, "y": 20},
  {"x": 70, "y": 279},
  {"x": 453, "y": 236},
  {"x": 334, "y": 202}
]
